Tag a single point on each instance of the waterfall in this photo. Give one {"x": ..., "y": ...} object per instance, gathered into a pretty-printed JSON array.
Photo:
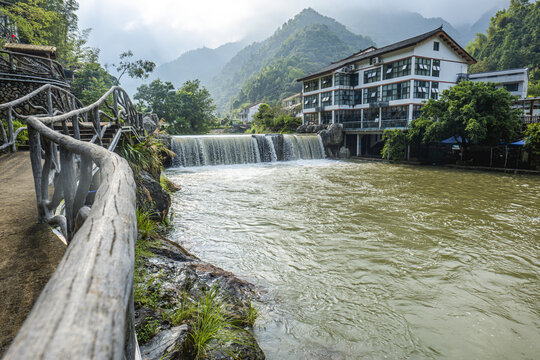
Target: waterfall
[{"x": 244, "y": 149}]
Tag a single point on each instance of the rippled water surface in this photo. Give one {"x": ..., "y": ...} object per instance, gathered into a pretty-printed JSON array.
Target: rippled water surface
[{"x": 368, "y": 260}]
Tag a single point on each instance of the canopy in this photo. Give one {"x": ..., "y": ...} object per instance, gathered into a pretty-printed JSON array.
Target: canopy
[
  {"x": 453, "y": 140},
  {"x": 518, "y": 143}
]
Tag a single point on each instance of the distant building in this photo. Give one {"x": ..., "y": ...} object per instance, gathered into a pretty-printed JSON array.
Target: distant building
[
  {"x": 247, "y": 113},
  {"x": 293, "y": 104},
  {"x": 378, "y": 89},
  {"x": 516, "y": 81}
]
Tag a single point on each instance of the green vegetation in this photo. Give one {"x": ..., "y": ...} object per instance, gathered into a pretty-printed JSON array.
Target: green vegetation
[
  {"x": 477, "y": 112},
  {"x": 189, "y": 110},
  {"x": 139, "y": 69},
  {"x": 532, "y": 141},
  {"x": 511, "y": 41},
  {"x": 22, "y": 138},
  {"x": 148, "y": 331},
  {"x": 273, "y": 120},
  {"x": 213, "y": 326},
  {"x": 145, "y": 155},
  {"x": 145, "y": 224},
  {"x": 267, "y": 71},
  {"x": 251, "y": 314},
  {"x": 91, "y": 81},
  {"x": 395, "y": 145}
]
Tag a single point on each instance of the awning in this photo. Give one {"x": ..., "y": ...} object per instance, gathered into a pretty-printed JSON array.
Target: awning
[
  {"x": 452, "y": 140},
  {"x": 518, "y": 143}
]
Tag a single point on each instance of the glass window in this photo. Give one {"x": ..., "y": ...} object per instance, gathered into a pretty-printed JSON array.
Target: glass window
[
  {"x": 372, "y": 75},
  {"x": 397, "y": 69},
  {"x": 311, "y": 85},
  {"x": 395, "y": 112},
  {"x": 354, "y": 79},
  {"x": 343, "y": 97},
  {"x": 326, "y": 82},
  {"x": 436, "y": 45},
  {"x": 357, "y": 97},
  {"x": 511, "y": 87},
  {"x": 422, "y": 66},
  {"x": 371, "y": 114},
  {"x": 396, "y": 91},
  {"x": 371, "y": 95},
  {"x": 348, "y": 115},
  {"x": 435, "y": 90},
  {"x": 326, "y": 98},
  {"x": 421, "y": 89},
  {"x": 436, "y": 68},
  {"x": 342, "y": 79},
  {"x": 417, "y": 111},
  {"x": 326, "y": 117},
  {"x": 311, "y": 101},
  {"x": 311, "y": 118}
]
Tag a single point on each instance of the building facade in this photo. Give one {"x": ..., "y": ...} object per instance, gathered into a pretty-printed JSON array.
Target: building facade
[
  {"x": 516, "y": 81},
  {"x": 247, "y": 113},
  {"x": 293, "y": 104},
  {"x": 378, "y": 89}
]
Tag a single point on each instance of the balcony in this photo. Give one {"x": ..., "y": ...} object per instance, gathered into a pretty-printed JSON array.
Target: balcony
[
  {"x": 374, "y": 125},
  {"x": 390, "y": 124}
]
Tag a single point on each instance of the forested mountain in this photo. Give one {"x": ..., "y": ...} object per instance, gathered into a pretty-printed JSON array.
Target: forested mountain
[
  {"x": 480, "y": 26},
  {"x": 265, "y": 70},
  {"x": 202, "y": 64},
  {"x": 512, "y": 41},
  {"x": 390, "y": 26}
]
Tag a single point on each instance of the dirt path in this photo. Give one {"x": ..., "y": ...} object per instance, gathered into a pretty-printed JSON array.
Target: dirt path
[{"x": 29, "y": 252}]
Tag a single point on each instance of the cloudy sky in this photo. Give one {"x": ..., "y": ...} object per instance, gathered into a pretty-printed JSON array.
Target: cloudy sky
[{"x": 161, "y": 30}]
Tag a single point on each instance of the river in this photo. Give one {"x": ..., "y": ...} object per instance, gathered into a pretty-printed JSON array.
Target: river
[{"x": 363, "y": 260}]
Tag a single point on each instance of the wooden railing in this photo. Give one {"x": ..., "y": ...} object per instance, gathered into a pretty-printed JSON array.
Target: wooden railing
[
  {"x": 86, "y": 308},
  {"x": 30, "y": 65}
]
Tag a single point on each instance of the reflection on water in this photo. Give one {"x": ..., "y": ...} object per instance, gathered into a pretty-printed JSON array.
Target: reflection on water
[{"x": 367, "y": 260}]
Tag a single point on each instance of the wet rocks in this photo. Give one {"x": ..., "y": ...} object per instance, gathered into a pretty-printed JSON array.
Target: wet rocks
[{"x": 152, "y": 197}]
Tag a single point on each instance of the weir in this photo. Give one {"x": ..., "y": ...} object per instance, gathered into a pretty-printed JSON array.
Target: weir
[{"x": 244, "y": 149}]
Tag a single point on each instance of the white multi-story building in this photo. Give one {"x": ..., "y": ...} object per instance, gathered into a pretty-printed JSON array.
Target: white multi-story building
[
  {"x": 516, "y": 81},
  {"x": 247, "y": 113},
  {"x": 376, "y": 89}
]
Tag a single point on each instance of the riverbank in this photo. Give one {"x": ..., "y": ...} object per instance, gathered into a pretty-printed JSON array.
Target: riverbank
[{"x": 452, "y": 166}]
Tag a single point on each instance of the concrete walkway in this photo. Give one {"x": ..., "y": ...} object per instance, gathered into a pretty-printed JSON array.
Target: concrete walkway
[{"x": 29, "y": 252}]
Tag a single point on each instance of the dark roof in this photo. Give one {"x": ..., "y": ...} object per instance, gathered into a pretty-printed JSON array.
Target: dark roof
[{"x": 393, "y": 47}]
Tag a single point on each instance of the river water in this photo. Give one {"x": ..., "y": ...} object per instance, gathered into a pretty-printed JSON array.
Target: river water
[{"x": 364, "y": 260}]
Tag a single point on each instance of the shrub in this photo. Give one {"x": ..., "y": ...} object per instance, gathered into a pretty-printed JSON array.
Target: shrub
[{"x": 395, "y": 144}]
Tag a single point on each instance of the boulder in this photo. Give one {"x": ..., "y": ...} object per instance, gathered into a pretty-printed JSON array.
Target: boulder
[
  {"x": 152, "y": 197},
  {"x": 166, "y": 345},
  {"x": 344, "y": 153},
  {"x": 150, "y": 123},
  {"x": 332, "y": 138},
  {"x": 302, "y": 129}
]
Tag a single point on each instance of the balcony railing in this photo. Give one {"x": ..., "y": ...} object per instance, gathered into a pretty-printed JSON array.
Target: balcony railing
[
  {"x": 368, "y": 125},
  {"x": 30, "y": 65},
  {"x": 528, "y": 119}
]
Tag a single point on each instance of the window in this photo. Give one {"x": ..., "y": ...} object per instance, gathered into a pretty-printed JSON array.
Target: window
[
  {"x": 326, "y": 98},
  {"x": 342, "y": 79},
  {"x": 344, "y": 97},
  {"x": 417, "y": 111},
  {"x": 511, "y": 86},
  {"x": 372, "y": 75},
  {"x": 354, "y": 79},
  {"x": 395, "y": 112},
  {"x": 311, "y": 118},
  {"x": 326, "y": 82},
  {"x": 435, "y": 90},
  {"x": 348, "y": 115},
  {"x": 397, "y": 69},
  {"x": 396, "y": 91},
  {"x": 421, "y": 89},
  {"x": 422, "y": 66},
  {"x": 311, "y": 85},
  {"x": 311, "y": 101},
  {"x": 357, "y": 97},
  {"x": 436, "y": 46},
  {"x": 371, "y": 95},
  {"x": 326, "y": 117},
  {"x": 436, "y": 68},
  {"x": 371, "y": 114}
]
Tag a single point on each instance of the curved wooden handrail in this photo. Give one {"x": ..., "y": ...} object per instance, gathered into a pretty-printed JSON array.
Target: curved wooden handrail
[
  {"x": 20, "y": 63},
  {"x": 86, "y": 309}
]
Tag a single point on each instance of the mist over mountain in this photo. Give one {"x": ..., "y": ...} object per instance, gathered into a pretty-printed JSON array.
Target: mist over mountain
[
  {"x": 480, "y": 26},
  {"x": 287, "y": 43}
]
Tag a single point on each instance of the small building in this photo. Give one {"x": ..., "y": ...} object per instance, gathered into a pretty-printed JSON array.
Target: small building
[
  {"x": 385, "y": 88},
  {"x": 247, "y": 113},
  {"x": 293, "y": 104},
  {"x": 45, "y": 51},
  {"x": 516, "y": 81}
]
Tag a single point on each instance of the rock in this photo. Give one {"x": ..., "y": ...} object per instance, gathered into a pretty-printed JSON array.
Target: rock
[
  {"x": 168, "y": 344},
  {"x": 344, "y": 153},
  {"x": 152, "y": 197},
  {"x": 332, "y": 137},
  {"x": 150, "y": 122},
  {"x": 167, "y": 156},
  {"x": 335, "y": 132},
  {"x": 301, "y": 129}
]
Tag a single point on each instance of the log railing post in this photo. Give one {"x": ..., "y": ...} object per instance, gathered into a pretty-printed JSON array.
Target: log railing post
[
  {"x": 35, "y": 159},
  {"x": 67, "y": 175},
  {"x": 11, "y": 132},
  {"x": 75, "y": 121}
]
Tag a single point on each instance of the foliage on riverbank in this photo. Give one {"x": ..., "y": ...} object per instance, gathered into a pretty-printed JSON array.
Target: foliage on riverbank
[{"x": 273, "y": 119}]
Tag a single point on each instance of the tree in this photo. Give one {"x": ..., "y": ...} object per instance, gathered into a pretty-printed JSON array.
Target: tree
[
  {"x": 532, "y": 141},
  {"x": 90, "y": 82},
  {"x": 139, "y": 69},
  {"x": 476, "y": 112},
  {"x": 186, "y": 111},
  {"x": 273, "y": 119},
  {"x": 511, "y": 41},
  {"x": 395, "y": 143}
]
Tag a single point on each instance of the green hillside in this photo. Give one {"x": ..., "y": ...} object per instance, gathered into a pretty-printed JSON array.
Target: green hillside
[
  {"x": 265, "y": 70},
  {"x": 512, "y": 41}
]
